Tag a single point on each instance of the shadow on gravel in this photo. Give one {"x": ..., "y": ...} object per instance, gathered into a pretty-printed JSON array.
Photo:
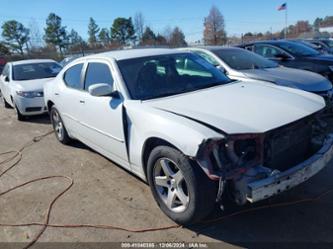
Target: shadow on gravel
[{"x": 39, "y": 119}]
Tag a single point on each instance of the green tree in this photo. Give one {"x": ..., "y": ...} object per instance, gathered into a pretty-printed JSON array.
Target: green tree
[
  {"x": 214, "y": 28},
  {"x": 104, "y": 36},
  {"x": 93, "y": 30},
  {"x": 122, "y": 31},
  {"x": 15, "y": 35},
  {"x": 55, "y": 33},
  {"x": 177, "y": 38},
  {"x": 4, "y": 50},
  {"x": 161, "y": 40},
  {"x": 148, "y": 37}
]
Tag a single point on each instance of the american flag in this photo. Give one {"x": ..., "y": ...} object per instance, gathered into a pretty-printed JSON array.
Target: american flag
[{"x": 283, "y": 7}]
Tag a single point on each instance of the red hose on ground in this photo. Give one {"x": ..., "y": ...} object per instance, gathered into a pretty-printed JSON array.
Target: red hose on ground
[{"x": 17, "y": 157}]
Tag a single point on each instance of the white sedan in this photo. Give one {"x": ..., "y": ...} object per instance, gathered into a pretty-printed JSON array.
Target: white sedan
[
  {"x": 21, "y": 85},
  {"x": 193, "y": 135}
]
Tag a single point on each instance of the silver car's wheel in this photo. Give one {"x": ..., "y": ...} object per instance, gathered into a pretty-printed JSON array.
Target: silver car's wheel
[
  {"x": 58, "y": 126},
  {"x": 171, "y": 185}
]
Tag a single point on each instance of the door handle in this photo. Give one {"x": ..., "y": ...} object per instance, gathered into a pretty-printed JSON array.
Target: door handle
[
  {"x": 82, "y": 101},
  {"x": 57, "y": 94}
]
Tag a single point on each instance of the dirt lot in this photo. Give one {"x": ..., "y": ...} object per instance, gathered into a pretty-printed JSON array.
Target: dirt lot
[{"x": 104, "y": 193}]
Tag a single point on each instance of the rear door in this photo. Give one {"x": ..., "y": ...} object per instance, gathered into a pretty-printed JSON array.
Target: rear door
[
  {"x": 68, "y": 99},
  {"x": 102, "y": 117}
]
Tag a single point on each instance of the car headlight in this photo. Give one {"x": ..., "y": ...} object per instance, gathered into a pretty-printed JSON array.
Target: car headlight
[
  {"x": 31, "y": 94},
  {"x": 331, "y": 68}
]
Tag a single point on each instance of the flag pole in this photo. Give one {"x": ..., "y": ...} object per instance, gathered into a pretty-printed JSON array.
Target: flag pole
[{"x": 286, "y": 22}]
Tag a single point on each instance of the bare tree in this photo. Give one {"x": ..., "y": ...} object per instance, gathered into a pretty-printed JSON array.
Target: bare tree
[
  {"x": 139, "y": 23},
  {"x": 214, "y": 32},
  {"x": 36, "y": 39}
]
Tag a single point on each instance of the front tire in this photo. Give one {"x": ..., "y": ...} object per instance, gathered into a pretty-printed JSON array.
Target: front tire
[
  {"x": 19, "y": 115},
  {"x": 179, "y": 186},
  {"x": 59, "y": 127},
  {"x": 4, "y": 101}
]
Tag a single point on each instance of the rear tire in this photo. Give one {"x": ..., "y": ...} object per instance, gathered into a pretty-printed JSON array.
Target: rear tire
[
  {"x": 59, "y": 127},
  {"x": 180, "y": 187}
]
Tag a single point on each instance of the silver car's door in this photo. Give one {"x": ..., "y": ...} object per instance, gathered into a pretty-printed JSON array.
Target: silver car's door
[
  {"x": 102, "y": 117},
  {"x": 68, "y": 98}
]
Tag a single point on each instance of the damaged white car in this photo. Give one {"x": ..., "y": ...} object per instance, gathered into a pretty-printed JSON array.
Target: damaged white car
[{"x": 193, "y": 135}]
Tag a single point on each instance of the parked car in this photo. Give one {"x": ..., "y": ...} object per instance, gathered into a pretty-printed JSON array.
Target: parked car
[
  {"x": 241, "y": 64},
  {"x": 21, "y": 85},
  {"x": 69, "y": 59},
  {"x": 295, "y": 55},
  {"x": 2, "y": 63},
  {"x": 325, "y": 46},
  {"x": 193, "y": 134}
]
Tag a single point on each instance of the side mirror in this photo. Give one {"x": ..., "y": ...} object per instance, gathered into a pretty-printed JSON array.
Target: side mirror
[
  {"x": 282, "y": 57},
  {"x": 222, "y": 69},
  {"x": 6, "y": 78},
  {"x": 100, "y": 90}
]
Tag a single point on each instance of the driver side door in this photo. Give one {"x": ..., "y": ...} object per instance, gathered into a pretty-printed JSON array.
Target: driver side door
[{"x": 102, "y": 118}]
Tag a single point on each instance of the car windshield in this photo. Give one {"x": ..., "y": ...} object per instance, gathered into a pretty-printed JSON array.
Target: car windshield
[
  {"x": 240, "y": 59},
  {"x": 170, "y": 74},
  {"x": 35, "y": 71},
  {"x": 298, "y": 49}
]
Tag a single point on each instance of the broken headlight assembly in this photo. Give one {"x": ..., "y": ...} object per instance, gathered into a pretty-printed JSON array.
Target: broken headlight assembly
[{"x": 227, "y": 157}]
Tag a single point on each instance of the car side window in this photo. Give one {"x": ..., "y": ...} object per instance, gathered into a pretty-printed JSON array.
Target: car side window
[
  {"x": 97, "y": 73},
  {"x": 267, "y": 51},
  {"x": 72, "y": 76},
  {"x": 250, "y": 48}
]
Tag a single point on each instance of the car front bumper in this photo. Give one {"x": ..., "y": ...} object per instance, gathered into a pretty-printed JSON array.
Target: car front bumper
[
  {"x": 279, "y": 182},
  {"x": 30, "y": 106}
]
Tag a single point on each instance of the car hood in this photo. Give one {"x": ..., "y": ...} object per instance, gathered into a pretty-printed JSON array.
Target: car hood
[
  {"x": 31, "y": 85},
  {"x": 242, "y": 107},
  {"x": 290, "y": 77}
]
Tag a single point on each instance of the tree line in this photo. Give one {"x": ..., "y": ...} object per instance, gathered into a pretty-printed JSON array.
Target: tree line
[
  {"x": 123, "y": 32},
  {"x": 18, "y": 39}
]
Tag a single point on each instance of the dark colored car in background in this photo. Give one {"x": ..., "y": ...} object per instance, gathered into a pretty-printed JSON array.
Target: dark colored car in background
[
  {"x": 326, "y": 46},
  {"x": 2, "y": 63},
  {"x": 295, "y": 55}
]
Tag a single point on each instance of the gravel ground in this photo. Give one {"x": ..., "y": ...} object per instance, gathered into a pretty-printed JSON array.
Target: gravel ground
[{"x": 104, "y": 193}]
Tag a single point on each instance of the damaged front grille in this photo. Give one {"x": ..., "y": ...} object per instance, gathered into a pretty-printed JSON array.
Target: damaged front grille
[{"x": 288, "y": 146}]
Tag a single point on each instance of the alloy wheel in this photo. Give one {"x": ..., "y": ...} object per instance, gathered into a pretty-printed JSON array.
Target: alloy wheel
[
  {"x": 171, "y": 185},
  {"x": 57, "y": 125}
]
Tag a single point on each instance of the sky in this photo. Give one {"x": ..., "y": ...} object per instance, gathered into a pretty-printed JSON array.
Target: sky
[{"x": 241, "y": 16}]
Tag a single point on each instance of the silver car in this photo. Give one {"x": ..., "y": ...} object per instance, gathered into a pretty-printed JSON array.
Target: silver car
[{"x": 242, "y": 64}]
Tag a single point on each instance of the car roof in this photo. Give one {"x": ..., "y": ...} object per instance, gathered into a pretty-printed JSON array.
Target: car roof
[
  {"x": 134, "y": 53},
  {"x": 277, "y": 42},
  {"x": 22, "y": 62},
  {"x": 214, "y": 48}
]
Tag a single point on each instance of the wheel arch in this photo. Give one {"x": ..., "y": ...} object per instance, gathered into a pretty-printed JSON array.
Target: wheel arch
[
  {"x": 49, "y": 105},
  {"x": 149, "y": 145}
]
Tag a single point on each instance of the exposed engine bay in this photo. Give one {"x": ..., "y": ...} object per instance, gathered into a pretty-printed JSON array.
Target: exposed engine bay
[{"x": 242, "y": 159}]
